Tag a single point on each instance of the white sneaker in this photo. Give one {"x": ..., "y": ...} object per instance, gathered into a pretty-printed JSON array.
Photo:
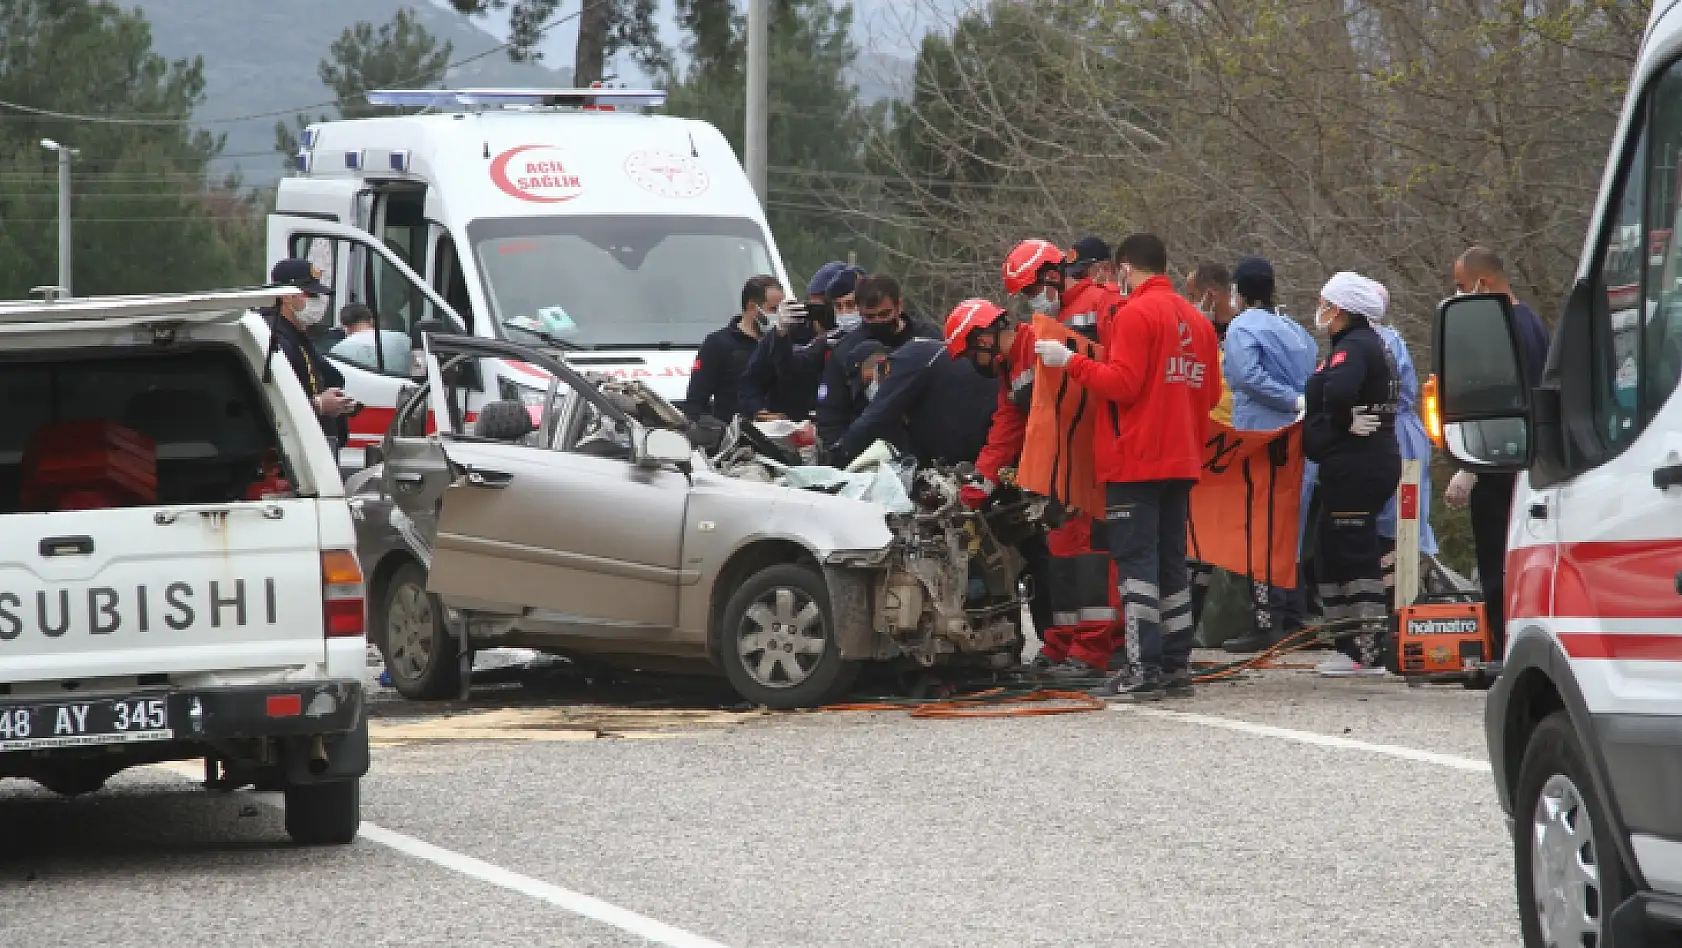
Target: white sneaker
[{"x": 1342, "y": 666}]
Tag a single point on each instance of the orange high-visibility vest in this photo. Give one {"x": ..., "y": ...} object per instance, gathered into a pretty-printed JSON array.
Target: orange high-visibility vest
[{"x": 1057, "y": 450}]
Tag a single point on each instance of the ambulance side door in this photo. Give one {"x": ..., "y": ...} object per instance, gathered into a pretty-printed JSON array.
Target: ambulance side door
[
  {"x": 374, "y": 372},
  {"x": 1616, "y": 600}
]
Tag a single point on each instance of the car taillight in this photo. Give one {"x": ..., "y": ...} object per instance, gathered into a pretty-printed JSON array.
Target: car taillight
[{"x": 341, "y": 594}]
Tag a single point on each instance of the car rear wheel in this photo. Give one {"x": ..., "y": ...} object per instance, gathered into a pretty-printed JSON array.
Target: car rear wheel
[
  {"x": 324, "y": 814},
  {"x": 1570, "y": 876},
  {"x": 778, "y": 642},
  {"x": 421, "y": 655}
]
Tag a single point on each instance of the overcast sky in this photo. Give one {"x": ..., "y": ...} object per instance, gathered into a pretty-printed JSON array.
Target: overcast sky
[{"x": 885, "y": 27}]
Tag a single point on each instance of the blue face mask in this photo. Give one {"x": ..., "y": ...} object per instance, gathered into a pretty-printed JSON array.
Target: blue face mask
[
  {"x": 847, "y": 322},
  {"x": 871, "y": 390}
]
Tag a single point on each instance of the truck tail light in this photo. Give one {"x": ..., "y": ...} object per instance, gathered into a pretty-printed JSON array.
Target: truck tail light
[
  {"x": 342, "y": 605},
  {"x": 1431, "y": 411}
]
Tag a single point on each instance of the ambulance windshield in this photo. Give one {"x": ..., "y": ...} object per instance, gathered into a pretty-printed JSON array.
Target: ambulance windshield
[{"x": 619, "y": 281}]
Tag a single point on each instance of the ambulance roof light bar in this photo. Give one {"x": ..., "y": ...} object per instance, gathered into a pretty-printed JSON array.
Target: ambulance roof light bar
[{"x": 597, "y": 98}]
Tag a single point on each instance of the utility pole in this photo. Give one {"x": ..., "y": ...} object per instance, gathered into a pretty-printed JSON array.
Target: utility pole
[
  {"x": 64, "y": 156},
  {"x": 759, "y": 96}
]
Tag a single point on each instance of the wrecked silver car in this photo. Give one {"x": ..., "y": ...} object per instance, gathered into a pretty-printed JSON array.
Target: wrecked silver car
[{"x": 594, "y": 527}]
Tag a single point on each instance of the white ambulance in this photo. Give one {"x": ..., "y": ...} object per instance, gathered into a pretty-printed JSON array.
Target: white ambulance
[
  {"x": 559, "y": 215},
  {"x": 1584, "y": 726}
]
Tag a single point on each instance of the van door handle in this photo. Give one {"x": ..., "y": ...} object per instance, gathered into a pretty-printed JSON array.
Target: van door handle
[
  {"x": 1668, "y": 476},
  {"x": 66, "y": 546},
  {"x": 491, "y": 480}
]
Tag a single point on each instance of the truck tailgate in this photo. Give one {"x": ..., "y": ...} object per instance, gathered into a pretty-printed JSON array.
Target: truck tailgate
[{"x": 156, "y": 590}]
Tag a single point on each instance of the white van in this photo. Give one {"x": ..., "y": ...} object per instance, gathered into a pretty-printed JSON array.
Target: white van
[
  {"x": 1585, "y": 724},
  {"x": 621, "y": 237}
]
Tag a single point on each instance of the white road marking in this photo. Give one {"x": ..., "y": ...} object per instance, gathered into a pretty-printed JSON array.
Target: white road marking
[
  {"x": 577, "y": 903},
  {"x": 1451, "y": 761}
]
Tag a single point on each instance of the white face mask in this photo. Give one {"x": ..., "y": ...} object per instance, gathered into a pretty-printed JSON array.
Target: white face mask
[
  {"x": 1044, "y": 305},
  {"x": 1323, "y": 317},
  {"x": 1236, "y": 303},
  {"x": 871, "y": 390},
  {"x": 1204, "y": 307},
  {"x": 312, "y": 312},
  {"x": 1476, "y": 288},
  {"x": 761, "y": 320},
  {"x": 847, "y": 322}
]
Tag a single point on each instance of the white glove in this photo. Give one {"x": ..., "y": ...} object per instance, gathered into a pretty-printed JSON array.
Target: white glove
[
  {"x": 1055, "y": 355},
  {"x": 790, "y": 312},
  {"x": 1460, "y": 488},
  {"x": 1302, "y": 407},
  {"x": 1363, "y": 424}
]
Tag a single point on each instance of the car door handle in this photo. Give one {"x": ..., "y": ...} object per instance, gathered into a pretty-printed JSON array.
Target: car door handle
[
  {"x": 492, "y": 480},
  {"x": 1668, "y": 476},
  {"x": 407, "y": 477}
]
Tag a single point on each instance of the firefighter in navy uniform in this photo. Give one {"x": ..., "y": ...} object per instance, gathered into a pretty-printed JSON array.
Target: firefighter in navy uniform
[
  {"x": 943, "y": 406},
  {"x": 1349, "y": 430}
]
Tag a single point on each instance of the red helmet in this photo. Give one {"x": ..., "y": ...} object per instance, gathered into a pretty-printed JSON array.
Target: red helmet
[
  {"x": 1022, "y": 267},
  {"x": 964, "y": 319}
]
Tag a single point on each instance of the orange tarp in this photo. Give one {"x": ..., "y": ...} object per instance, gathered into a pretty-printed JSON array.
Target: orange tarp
[
  {"x": 1057, "y": 457},
  {"x": 1244, "y": 511}
]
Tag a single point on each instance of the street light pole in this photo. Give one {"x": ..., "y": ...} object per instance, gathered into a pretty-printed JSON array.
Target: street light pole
[
  {"x": 757, "y": 139},
  {"x": 64, "y": 262}
]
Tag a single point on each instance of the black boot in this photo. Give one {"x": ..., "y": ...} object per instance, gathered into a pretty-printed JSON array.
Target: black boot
[{"x": 1252, "y": 643}]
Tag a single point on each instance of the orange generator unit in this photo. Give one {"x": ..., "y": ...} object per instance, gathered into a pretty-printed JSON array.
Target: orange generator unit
[{"x": 1443, "y": 642}]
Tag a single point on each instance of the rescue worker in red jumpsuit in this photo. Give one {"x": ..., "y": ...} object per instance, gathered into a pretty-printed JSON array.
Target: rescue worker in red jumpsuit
[
  {"x": 1075, "y": 615},
  {"x": 1157, "y": 383}
]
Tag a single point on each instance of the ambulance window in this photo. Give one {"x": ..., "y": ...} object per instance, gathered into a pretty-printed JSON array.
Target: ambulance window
[
  {"x": 1661, "y": 336},
  {"x": 450, "y": 282},
  {"x": 1618, "y": 286}
]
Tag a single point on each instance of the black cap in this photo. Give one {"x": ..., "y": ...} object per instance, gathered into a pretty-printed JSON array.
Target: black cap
[
  {"x": 1085, "y": 252},
  {"x": 1253, "y": 279},
  {"x": 302, "y": 274},
  {"x": 844, "y": 281},
  {"x": 861, "y": 353},
  {"x": 1089, "y": 250}
]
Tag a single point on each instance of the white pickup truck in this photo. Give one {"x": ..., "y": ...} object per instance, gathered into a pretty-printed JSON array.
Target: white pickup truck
[{"x": 177, "y": 569}]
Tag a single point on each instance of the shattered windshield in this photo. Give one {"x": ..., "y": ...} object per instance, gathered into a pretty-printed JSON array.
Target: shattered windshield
[{"x": 618, "y": 281}]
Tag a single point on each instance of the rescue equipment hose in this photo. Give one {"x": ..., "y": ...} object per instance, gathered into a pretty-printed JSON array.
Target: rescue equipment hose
[{"x": 1033, "y": 700}]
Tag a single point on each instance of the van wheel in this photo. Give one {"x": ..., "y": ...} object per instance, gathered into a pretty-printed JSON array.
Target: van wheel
[
  {"x": 778, "y": 644},
  {"x": 322, "y": 814},
  {"x": 1569, "y": 875},
  {"x": 420, "y": 653}
]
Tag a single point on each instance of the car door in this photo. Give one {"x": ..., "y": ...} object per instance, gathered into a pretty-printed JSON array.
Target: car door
[
  {"x": 589, "y": 544},
  {"x": 416, "y": 472}
]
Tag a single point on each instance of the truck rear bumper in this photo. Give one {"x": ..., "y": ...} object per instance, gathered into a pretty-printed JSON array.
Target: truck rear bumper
[{"x": 283, "y": 710}]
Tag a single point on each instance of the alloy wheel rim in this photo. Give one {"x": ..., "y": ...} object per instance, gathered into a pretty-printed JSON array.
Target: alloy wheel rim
[
  {"x": 1564, "y": 868},
  {"x": 781, "y": 638},
  {"x": 409, "y": 632}
]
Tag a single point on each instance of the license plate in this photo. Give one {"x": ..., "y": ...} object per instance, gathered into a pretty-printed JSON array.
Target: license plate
[{"x": 84, "y": 723}]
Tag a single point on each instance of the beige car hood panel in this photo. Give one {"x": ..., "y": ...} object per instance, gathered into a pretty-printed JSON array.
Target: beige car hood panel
[{"x": 741, "y": 511}]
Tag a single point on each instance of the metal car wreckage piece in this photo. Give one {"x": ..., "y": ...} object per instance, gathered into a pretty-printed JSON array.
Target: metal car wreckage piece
[{"x": 946, "y": 590}]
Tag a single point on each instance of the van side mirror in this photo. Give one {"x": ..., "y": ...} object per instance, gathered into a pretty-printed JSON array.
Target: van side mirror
[{"x": 1482, "y": 393}]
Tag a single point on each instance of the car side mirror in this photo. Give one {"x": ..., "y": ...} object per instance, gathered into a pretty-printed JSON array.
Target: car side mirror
[
  {"x": 1482, "y": 394},
  {"x": 661, "y": 446}
]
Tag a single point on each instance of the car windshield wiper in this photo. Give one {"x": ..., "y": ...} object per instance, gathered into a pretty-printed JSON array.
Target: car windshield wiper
[
  {"x": 663, "y": 345},
  {"x": 547, "y": 338}
]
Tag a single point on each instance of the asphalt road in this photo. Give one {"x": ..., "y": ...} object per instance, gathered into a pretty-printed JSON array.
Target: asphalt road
[{"x": 1282, "y": 810}]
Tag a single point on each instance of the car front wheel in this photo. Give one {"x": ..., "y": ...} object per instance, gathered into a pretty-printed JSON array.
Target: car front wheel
[
  {"x": 1569, "y": 874},
  {"x": 778, "y": 643},
  {"x": 420, "y": 653}
]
